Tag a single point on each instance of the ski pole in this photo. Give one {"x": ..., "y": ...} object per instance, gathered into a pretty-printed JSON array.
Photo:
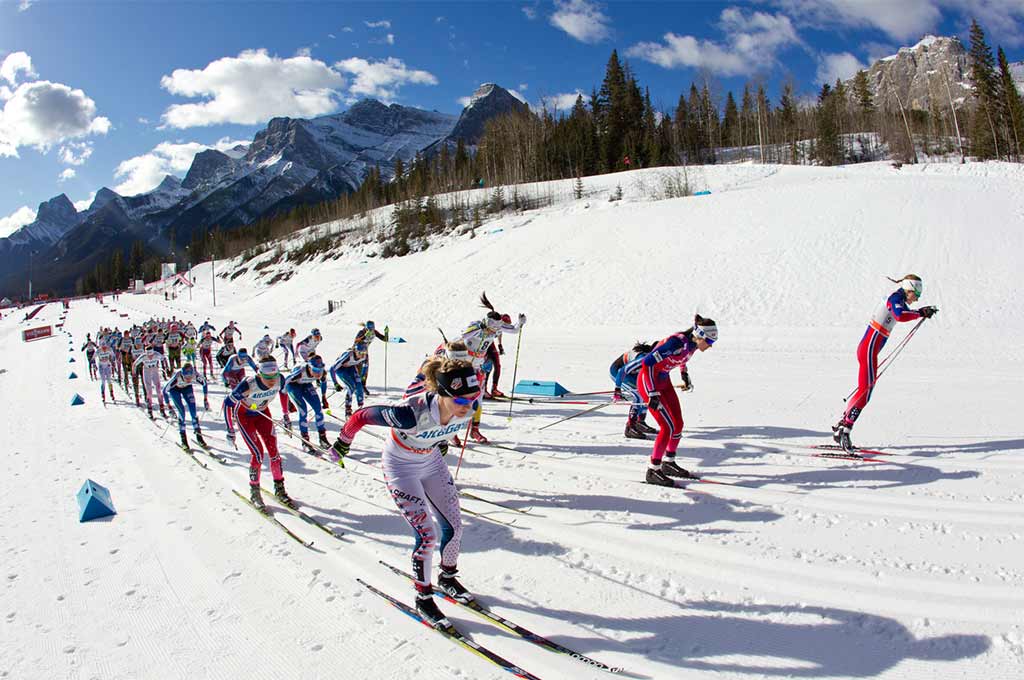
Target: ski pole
[
  {"x": 387, "y": 335},
  {"x": 885, "y": 363},
  {"x": 515, "y": 370},
  {"x": 465, "y": 440},
  {"x": 575, "y": 415}
]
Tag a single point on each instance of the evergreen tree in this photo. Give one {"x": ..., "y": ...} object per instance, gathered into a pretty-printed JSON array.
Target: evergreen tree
[
  {"x": 747, "y": 118},
  {"x": 651, "y": 148},
  {"x": 862, "y": 97},
  {"x": 827, "y": 148},
  {"x": 788, "y": 120},
  {"x": 731, "y": 131},
  {"x": 1012, "y": 107},
  {"x": 984, "y": 136},
  {"x": 611, "y": 110},
  {"x": 681, "y": 128}
]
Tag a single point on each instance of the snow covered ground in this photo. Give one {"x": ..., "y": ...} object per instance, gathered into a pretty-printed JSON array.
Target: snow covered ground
[{"x": 812, "y": 568}]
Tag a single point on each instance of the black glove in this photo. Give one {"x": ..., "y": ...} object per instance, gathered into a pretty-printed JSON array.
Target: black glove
[
  {"x": 653, "y": 402},
  {"x": 443, "y": 448},
  {"x": 617, "y": 394},
  {"x": 928, "y": 312},
  {"x": 687, "y": 383},
  {"x": 341, "y": 448}
]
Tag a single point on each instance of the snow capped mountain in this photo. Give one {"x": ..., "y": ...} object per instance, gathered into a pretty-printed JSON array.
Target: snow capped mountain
[
  {"x": 54, "y": 218},
  {"x": 489, "y": 100},
  {"x": 918, "y": 73}
]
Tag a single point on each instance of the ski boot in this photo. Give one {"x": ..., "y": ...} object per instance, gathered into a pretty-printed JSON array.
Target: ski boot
[
  {"x": 307, "y": 447},
  {"x": 450, "y": 586},
  {"x": 477, "y": 435},
  {"x": 427, "y": 608},
  {"x": 324, "y": 444},
  {"x": 366, "y": 390},
  {"x": 634, "y": 432},
  {"x": 287, "y": 422},
  {"x": 256, "y": 498},
  {"x": 456, "y": 442},
  {"x": 348, "y": 410},
  {"x": 645, "y": 428},
  {"x": 163, "y": 413},
  {"x": 841, "y": 435},
  {"x": 199, "y": 439},
  {"x": 282, "y": 495},
  {"x": 150, "y": 410},
  {"x": 657, "y": 477},
  {"x": 184, "y": 442},
  {"x": 497, "y": 394},
  {"x": 670, "y": 469},
  {"x": 486, "y": 396}
]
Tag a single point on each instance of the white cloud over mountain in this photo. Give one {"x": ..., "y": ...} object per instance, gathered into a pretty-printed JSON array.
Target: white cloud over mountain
[{"x": 143, "y": 173}]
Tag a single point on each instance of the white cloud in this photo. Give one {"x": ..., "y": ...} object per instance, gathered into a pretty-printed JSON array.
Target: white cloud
[
  {"x": 524, "y": 86},
  {"x": 23, "y": 5},
  {"x": 304, "y": 52},
  {"x": 561, "y": 102},
  {"x": 144, "y": 121},
  {"x": 841, "y": 66},
  {"x": 346, "y": 29},
  {"x": 252, "y": 88},
  {"x": 40, "y": 114},
  {"x": 530, "y": 12},
  {"x": 85, "y": 202},
  {"x": 16, "y": 220},
  {"x": 901, "y": 20},
  {"x": 752, "y": 41},
  {"x": 391, "y": 39},
  {"x": 143, "y": 173},
  {"x": 75, "y": 153},
  {"x": 1003, "y": 20},
  {"x": 331, "y": 35},
  {"x": 66, "y": 174},
  {"x": 438, "y": 20},
  {"x": 381, "y": 79},
  {"x": 464, "y": 101},
  {"x": 518, "y": 96},
  {"x": 15, "y": 63},
  {"x": 581, "y": 19},
  {"x": 383, "y": 23}
]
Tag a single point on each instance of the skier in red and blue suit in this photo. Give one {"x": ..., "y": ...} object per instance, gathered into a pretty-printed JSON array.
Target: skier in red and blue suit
[
  {"x": 656, "y": 390},
  {"x": 894, "y": 309}
]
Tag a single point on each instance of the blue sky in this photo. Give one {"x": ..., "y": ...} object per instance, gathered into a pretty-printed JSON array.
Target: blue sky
[{"x": 120, "y": 93}]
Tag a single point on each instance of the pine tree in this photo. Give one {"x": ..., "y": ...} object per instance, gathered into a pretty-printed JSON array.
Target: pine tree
[
  {"x": 984, "y": 136},
  {"x": 612, "y": 103},
  {"x": 681, "y": 128},
  {"x": 1012, "y": 107},
  {"x": 863, "y": 98},
  {"x": 731, "y": 122},
  {"x": 747, "y": 118},
  {"x": 827, "y": 148},
  {"x": 788, "y": 119}
]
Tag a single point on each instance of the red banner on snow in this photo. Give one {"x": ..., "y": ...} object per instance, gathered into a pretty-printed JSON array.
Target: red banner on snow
[{"x": 31, "y": 334}]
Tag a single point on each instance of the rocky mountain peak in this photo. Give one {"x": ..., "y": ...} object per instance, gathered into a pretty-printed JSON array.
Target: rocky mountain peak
[
  {"x": 919, "y": 74},
  {"x": 488, "y": 101},
  {"x": 206, "y": 166},
  {"x": 59, "y": 210}
]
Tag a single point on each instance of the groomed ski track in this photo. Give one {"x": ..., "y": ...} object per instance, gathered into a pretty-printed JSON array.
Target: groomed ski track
[{"x": 806, "y": 567}]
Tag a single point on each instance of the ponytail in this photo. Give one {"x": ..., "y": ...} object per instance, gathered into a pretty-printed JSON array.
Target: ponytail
[{"x": 912, "y": 277}]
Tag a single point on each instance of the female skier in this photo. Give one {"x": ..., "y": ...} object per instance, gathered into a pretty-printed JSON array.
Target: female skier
[
  {"x": 478, "y": 337},
  {"x": 656, "y": 390},
  {"x": 417, "y": 476},
  {"x": 301, "y": 387},
  {"x": 624, "y": 372},
  {"x": 178, "y": 391},
  {"x": 893, "y": 309},
  {"x": 248, "y": 403}
]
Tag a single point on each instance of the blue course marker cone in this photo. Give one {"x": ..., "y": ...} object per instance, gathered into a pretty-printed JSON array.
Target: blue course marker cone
[
  {"x": 72, "y": 376},
  {"x": 71, "y": 360},
  {"x": 77, "y": 400}
]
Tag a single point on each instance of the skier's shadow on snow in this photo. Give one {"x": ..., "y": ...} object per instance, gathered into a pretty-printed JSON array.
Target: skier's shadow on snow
[
  {"x": 990, "y": 446},
  {"x": 809, "y": 642},
  {"x": 671, "y": 515}
]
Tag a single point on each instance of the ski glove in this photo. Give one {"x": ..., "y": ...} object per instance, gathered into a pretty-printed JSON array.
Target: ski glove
[
  {"x": 928, "y": 312},
  {"x": 617, "y": 395},
  {"x": 653, "y": 402},
  {"x": 341, "y": 448},
  {"x": 443, "y": 448},
  {"x": 687, "y": 383},
  {"x": 522, "y": 320}
]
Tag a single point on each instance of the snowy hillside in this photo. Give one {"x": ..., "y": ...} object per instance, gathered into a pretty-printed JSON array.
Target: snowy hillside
[{"x": 796, "y": 567}]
